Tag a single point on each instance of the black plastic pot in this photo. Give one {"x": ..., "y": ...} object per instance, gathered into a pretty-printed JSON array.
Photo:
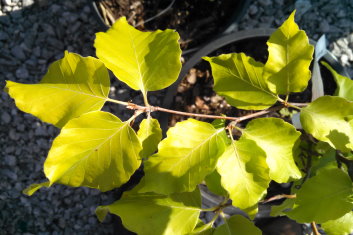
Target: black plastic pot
[
  {"x": 239, "y": 10},
  {"x": 240, "y": 40}
]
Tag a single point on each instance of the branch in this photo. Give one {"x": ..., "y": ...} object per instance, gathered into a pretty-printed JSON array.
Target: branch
[
  {"x": 278, "y": 197},
  {"x": 133, "y": 106},
  {"x": 314, "y": 228}
]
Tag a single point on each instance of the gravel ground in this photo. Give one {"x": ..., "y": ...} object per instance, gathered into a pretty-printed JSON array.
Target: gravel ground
[{"x": 33, "y": 34}]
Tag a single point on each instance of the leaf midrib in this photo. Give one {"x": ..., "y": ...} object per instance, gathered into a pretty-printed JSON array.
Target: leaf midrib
[
  {"x": 74, "y": 91},
  {"x": 89, "y": 154},
  {"x": 195, "y": 148}
]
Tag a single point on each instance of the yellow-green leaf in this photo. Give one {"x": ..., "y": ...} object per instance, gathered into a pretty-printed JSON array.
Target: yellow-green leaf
[
  {"x": 237, "y": 225},
  {"x": 290, "y": 54},
  {"x": 145, "y": 61},
  {"x": 184, "y": 158},
  {"x": 344, "y": 84},
  {"x": 330, "y": 119},
  {"x": 96, "y": 150},
  {"x": 326, "y": 196},
  {"x": 30, "y": 190},
  {"x": 72, "y": 86},
  {"x": 340, "y": 226},
  {"x": 239, "y": 79},
  {"x": 150, "y": 134},
  {"x": 244, "y": 174},
  {"x": 279, "y": 140},
  {"x": 151, "y": 214}
]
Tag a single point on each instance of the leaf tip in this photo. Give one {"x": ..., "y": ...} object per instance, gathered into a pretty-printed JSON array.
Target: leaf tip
[
  {"x": 101, "y": 213},
  {"x": 30, "y": 190}
]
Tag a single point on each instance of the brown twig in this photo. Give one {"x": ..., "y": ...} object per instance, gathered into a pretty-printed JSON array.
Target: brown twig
[
  {"x": 278, "y": 197},
  {"x": 150, "y": 109},
  {"x": 314, "y": 228}
]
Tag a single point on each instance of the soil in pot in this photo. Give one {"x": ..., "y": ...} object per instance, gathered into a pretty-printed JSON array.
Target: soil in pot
[{"x": 196, "y": 21}]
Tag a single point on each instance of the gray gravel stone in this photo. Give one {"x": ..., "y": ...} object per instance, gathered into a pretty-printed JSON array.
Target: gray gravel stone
[
  {"x": 5, "y": 117},
  {"x": 17, "y": 51},
  {"x": 22, "y": 73}
]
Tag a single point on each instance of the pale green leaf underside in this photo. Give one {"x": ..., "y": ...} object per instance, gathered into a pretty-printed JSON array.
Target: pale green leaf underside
[
  {"x": 278, "y": 210},
  {"x": 237, "y": 225},
  {"x": 96, "y": 150},
  {"x": 184, "y": 158},
  {"x": 290, "y": 55},
  {"x": 72, "y": 86},
  {"x": 30, "y": 190},
  {"x": 151, "y": 214},
  {"x": 326, "y": 196},
  {"x": 203, "y": 229},
  {"x": 145, "y": 61},
  {"x": 213, "y": 182},
  {"x": 329, "y": 119},
  {"x": 150, "y": 134},
  {"x": 239, "y": 79},
  {"x": 244, "y": 174},
  {"x": 278, "y": 139},
  {"x": 340, "y": 226},
  {"x": 344, "y": 84}
]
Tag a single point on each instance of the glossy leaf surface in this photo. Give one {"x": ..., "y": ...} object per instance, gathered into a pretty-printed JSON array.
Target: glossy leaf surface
[
  {"x": 72, "y": 86},
  {"x": 96, "y": 150},
  {"x": 239, "y": 79},
  {"x": 326, "y": 196},
  {"x": 344, "y": 84},
  {"x": 184, "y": 158},
  {"x": 278, "y": 139},
  {"x": 150, "y": 134},
  {"x": 329, "y": 119},
  {"x": 237, "y": 225},
  {"x": 290, "y": 55},
  {"x": 244, "y": 174},
  {"x": 145, "y": 61},
  {"x": 151, "y": 214},
  {"x": 340, "y": 226}
]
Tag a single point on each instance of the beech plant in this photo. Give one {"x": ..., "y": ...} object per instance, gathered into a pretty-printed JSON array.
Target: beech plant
[{"x": 96, "y": 149}]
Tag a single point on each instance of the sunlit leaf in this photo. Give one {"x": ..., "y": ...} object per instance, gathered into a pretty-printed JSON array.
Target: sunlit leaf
[
  {"x": 329, "y": 119},
  {"x": 326, "y": 196},
  {"x": 146, "y": 61},
  {"x": 239, "y": 79},
  {"x": 340, "y": 226},
  {"x": 30, "y": 190},
  {"x": 151, "y": 214},
  {"x": 72, "y": 86},
  {"x": 96, "y": 150},
  {"x": 237, "y": 225},
  {"x": 244, "y": 174},
  {"x": 344, "y": 84},
  {"x": 290, "y": 54},
  {"x": 278, "y": 139},
  {"x": 150, "y": 134},
  {"x": 184, "y": 158}
]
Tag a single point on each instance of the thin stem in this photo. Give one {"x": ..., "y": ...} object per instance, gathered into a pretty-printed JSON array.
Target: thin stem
[
  {"x": 314, "y": 228},
  {"x": 149, "y": 108},
  {"x": 287, "y": 104},
  {"x": 118, "y": 102},
  {"x": 145, "y": 100},
  {"x": 278, "y": 197},
  {"x": 156, "y": 108}
]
